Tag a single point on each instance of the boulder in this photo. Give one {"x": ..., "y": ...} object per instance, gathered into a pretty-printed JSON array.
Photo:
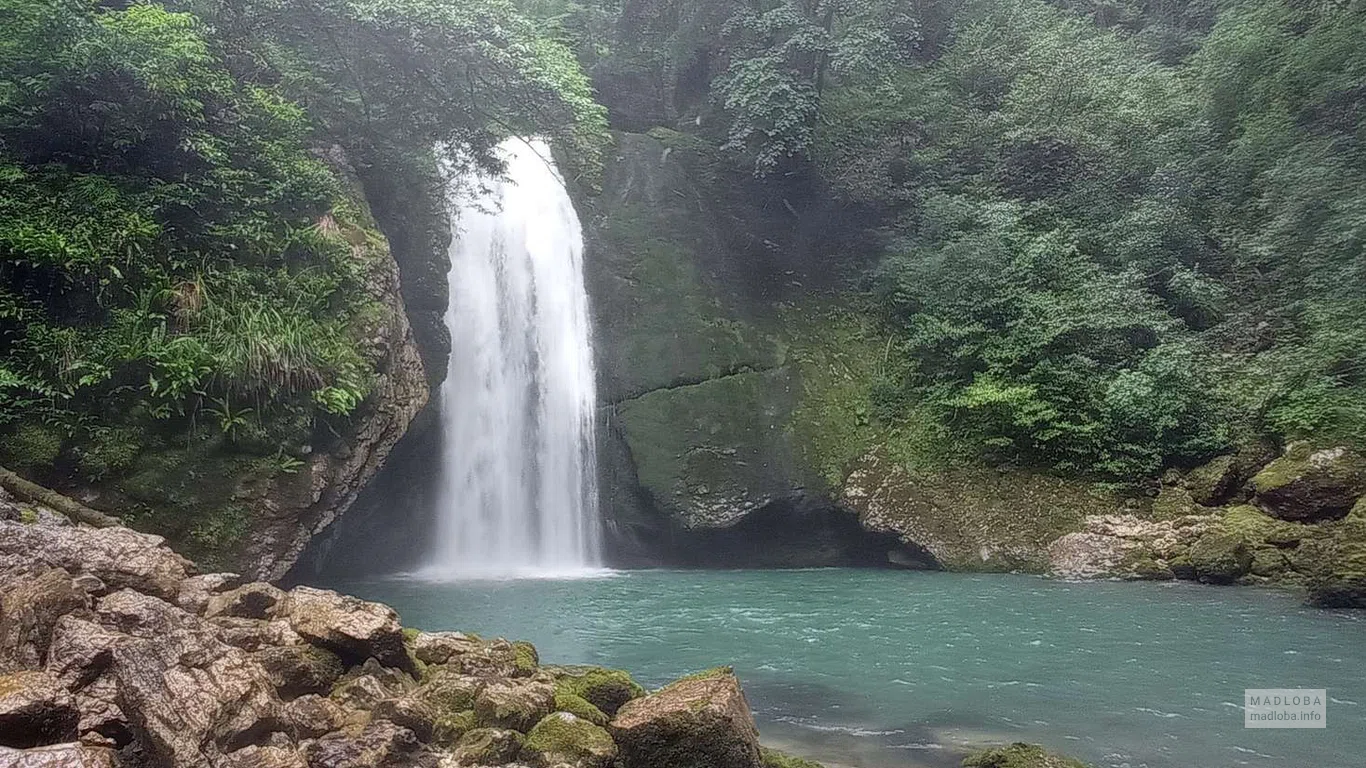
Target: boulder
[
  {"x": 514, "y": 704},
  {"x": 257, "y": 600},
  {"x": 488, "y": 746},
  {"x": 1336, "y": 567},
  {"x": 103, "y": 722},
  {"x": 1215, "y": 482},
  {"x": 296, "y": 670},
  {"x": 563, "y": 739},
  {"x": 119, "y": 557},
  {"x": 29, "y": 610},
  {"x": 701, "y": 721},
  {"x": 59, "y": 756},
  {"x": 35, "y": 710},
  {"x": 496, "y": 658},
  {"x": 1310, "y": 485},
  {"x": 408, "y": 712},
  {"x": 1219, "y": 557},
  {"x": 380, "y": 745},
  {"x": 190, "y": 697},
  {"x": 195, "y": 591},
  {"x": 439, "y": 647},
  {"x": 255, "y": 634},
  {"x": 80, "y": 651},
  {"x": 143, "y": 616},
  {"x": 313, "y": 716},
  {"x": 603, "y": 688},
  {"x": 352, "y": 628},
  {"x": 370, "y": 683},
  {"x": 448, "y": 691}
]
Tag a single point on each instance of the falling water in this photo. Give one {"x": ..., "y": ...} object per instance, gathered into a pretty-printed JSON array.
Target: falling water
[{"x": 519, "y": 490}]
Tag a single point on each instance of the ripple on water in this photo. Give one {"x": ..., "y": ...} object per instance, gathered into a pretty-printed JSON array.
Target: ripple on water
[{"x": 884, "y": 669}]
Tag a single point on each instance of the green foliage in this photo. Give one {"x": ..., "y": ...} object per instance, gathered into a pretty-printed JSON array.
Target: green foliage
[{"x": 187, "y": 273}]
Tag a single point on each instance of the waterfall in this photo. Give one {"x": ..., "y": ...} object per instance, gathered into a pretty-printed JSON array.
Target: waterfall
[{"x": 518, "y": 493}]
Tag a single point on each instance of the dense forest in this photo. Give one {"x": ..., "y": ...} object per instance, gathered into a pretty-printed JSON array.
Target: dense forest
[
  {"x": 1112, "y": 237},
  {"x": 1105, "y": 238}
]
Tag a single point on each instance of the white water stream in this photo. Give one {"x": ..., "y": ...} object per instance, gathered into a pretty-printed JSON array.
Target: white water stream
[{"x": 519, "y": 484}]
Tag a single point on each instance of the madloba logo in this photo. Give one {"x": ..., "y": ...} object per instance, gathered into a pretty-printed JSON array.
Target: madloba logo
[{"x": 1285, "y": 708}]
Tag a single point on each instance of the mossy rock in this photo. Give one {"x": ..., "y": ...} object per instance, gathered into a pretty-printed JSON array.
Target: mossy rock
[
  {"x": 517, "y": 704},
  {"x": 448, "y": 729},
  {"x": 31, "y": 445},
  {"x": 606, "y": 689},
  {"x": 488, "y": 746},
  {"x": 1258, "y": 528},
  {"x": 1213, "y": 483},
  {"x": 568, "y": 701},
  {"x": 772, "y": 758},
  {"x": 1173, "y": 502},
  {"x": 525, "y": 658},
  {"x": 1309, "y": 485},
  {"x": 1335, "y": 567},
  {"x": 1182, "y": 568},
  {"x": 1142, "y": 566},
  {"x": 1220, "y": 557},
  {"x": 1020, "y": 755},
  {"x": 1269, "y": 562},
  {"x": 563, "y": 739}
]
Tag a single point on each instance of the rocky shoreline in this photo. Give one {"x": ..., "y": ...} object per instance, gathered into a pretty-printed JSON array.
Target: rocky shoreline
[{"x": 116, "y": 653}]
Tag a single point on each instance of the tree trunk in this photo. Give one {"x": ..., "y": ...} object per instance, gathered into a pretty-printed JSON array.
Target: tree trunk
[{"x": 37, "y": 494}]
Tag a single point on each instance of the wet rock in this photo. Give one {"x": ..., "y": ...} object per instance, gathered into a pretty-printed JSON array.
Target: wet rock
[
  {"x": 487, "y": 746},
  {"x": 195, "y": 591},
  {"x": 29, "y": 611},
  {"x": 605, "y": 689},
  {"x": 380, "y": 745},
  {"x": 352, "y": 628},
  {"x": 697, "y": 722},
  {"x": 35, "y": 710},
  {"x": 58, "y": 756},
  {"x": 119, "y": 557},
  {"x": 257, "y": 600},
  {"x": 515, "y": 704},
  {"x": 313, "y": 716},
  {"x": 563, "y": 739},
  {"x": 191, "y": 698},
  {"x": 1309, "y": 485},
  {"x": 1220, "y": 558}
]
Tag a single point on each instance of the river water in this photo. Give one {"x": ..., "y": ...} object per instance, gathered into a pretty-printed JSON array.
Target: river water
[{"x": 890, "y": 669}]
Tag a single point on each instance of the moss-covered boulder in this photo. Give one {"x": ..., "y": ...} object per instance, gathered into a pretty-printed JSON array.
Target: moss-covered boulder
[
  {"x": 606, "y": 689},
  {"x": 515, "y": 704},
  {"x": 447, "y": 730},
  {"x": 1220, "y": 557},
  {"x": 568, "y": 701},
  {"x": 563, "y": 739},
  {"x": 1019, "y": 755},
  {"x": 701, "y": 721},
  {"x": 1308, "y": 484},
  {"x": 1336, "y": 567},
  {"x": 1215, "y": 482},
  {"x": 488, "y": 746}
]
